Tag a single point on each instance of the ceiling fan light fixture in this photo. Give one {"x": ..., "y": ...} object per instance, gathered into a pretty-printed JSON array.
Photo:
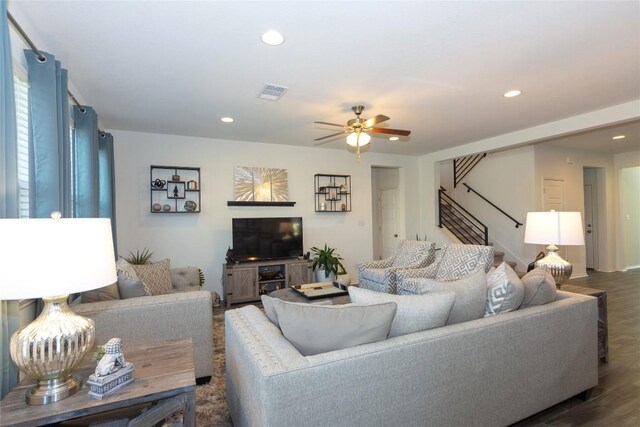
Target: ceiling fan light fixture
[
  {"x": 352, "y": 139},
  {"x": 272, "y": 38}
]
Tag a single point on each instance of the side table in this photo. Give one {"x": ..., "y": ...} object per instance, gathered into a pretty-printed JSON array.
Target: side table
[
  {"x": 603, "y": 341},
  {"x": 164, "y": 373}
]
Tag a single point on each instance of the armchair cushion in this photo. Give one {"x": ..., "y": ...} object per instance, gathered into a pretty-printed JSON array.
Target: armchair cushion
[{"x": 414, "y": 254}]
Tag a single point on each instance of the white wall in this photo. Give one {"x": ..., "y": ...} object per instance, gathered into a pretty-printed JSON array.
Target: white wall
[
  {"x": 202, "y": 239},
  {"x": 567, "y": 164},
  {"x": 505, "y": 178}
]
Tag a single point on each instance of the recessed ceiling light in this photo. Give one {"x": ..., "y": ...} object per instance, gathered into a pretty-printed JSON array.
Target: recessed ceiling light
[
  {"x": 618, "y": 137},
  {"x": 272, "y": 38},
  {"x": 227, "y": 119},
  {"x": 394, "y": 138},
  {"x": 512, "y": 93}
]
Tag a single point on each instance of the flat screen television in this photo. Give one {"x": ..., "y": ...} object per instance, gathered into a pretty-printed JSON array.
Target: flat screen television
[{"x": 257, "y": 239}]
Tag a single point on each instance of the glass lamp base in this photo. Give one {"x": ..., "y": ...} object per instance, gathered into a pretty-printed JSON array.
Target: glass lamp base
[
  {"x": 560, "y": 269},
  {"x": 50, "y": 347}
]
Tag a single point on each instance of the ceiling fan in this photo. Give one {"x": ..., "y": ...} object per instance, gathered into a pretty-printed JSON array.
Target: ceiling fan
[{"x": 359, "y": 129}]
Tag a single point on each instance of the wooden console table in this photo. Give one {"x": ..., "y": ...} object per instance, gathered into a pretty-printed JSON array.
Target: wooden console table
[
  {"x": 603, "y": 332},
  {"x": 164, "y": 374}
]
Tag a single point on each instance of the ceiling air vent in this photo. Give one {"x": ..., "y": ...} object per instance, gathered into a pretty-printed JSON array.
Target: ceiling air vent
[{"x": 272, "y": 92}]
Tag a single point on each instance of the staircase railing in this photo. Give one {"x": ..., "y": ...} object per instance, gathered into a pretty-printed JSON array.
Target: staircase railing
[
  {"x": 518, "y": 223},
  {"x": 463, "y": 165},
  {"x": 466, "y": 227}
]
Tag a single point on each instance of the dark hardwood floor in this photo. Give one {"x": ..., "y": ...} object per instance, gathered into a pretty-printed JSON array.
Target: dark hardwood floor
[{"x": 616, "y": 399}]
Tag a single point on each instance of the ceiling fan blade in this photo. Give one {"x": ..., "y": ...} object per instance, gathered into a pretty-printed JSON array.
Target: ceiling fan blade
[
  {"x": 330, "y": 124},
  {"x": 391, "y": 131},
  {"x": 329, "y": 136},
  {"x": 375, "y": 120}
]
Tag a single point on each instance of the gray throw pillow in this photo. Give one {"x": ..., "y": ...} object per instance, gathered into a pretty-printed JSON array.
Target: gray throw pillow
[
  {"x": 415, "y": 312},
  {"x": 505, "y": 290},
  {"x": 130, "y": 288},
  {"x": 106, "y": 293},
  {"x": 471, "y": 294},
  {"x": 314, "y": 329},
  {"x": 539, "y": 287}
]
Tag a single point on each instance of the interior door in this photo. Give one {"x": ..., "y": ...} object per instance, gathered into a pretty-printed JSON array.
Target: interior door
[
  {"x": 553, "y": 198},
  {"x": 590, "y": 226},
  {"x": 388, "y": 221}
]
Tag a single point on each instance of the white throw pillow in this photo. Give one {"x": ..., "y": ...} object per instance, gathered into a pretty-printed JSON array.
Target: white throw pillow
[
  {"x": 471, "y": 294},
  {"x": 314, "y": 329},
  {"x": 505, "y": 290},
  {"x": 415, "y": 312}
]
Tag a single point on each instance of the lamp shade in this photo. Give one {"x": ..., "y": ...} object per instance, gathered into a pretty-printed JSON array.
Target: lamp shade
[
  {"x": 51, "y": 257},
  {"x": 352, "y": 139},
  {"x": 554, "y": 228}
]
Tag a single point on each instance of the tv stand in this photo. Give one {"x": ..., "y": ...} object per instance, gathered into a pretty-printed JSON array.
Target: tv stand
[{"x": 246, "y": 282}]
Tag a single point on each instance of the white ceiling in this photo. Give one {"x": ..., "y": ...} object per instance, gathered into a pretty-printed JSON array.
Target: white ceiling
[{"x": 436, "y": 68}]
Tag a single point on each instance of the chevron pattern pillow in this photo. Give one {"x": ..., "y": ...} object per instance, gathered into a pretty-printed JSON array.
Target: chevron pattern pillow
[
  {"x": 505, "y": 290},
  {"x": 415, "y": 254}
]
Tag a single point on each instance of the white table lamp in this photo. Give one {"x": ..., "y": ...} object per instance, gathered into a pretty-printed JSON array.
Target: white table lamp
[
  {"x": 554, "y": 228},
  {"x": 50, "y": 259}
]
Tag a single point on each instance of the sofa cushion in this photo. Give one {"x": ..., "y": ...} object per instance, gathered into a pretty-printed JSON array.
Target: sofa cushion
[
  {"x": 505, "y": 290},
  {"x": 415, "y": 313},
  {"x": 155, "y": 277},
  {"x": 105, "y": 293},
  {"x": 471, "y": 294},
  {"x": 539, "y": 287},
  {"x": 314, "y": 329},
  {"x": 130, "y": 288},
  {"x": 185, "y": 277}
]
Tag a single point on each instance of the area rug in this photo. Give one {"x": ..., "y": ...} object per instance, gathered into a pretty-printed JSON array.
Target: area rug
[{"x": 211, "y": 400}]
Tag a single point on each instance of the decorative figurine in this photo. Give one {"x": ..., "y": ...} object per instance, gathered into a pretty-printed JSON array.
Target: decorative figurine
[
  {"x": 175, "y": 191},
  {"x": 158, "y": 184},
  {"x": 157, "y": 207},
  {"x": 112, "y": 372},
  {"x": 113, "y": 358},
  {"x": 229, "y": 256},
  {"x": 166, "y": 208}
]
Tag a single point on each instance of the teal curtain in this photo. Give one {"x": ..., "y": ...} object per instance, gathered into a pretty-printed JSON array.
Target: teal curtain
[
  {"x": 86, "y": 163},
  {"x": 49, "y": 143},
  {"x": 106, "y": 183},
  {"x": 8, "y": 192}
]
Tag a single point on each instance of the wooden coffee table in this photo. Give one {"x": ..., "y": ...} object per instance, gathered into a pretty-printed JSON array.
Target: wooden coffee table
[
  {"x": 288, "y": 294},
  {"x": 164, "y": 374}
]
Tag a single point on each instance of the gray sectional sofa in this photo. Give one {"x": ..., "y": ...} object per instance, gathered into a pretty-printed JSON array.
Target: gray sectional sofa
[{"x": 492, "y": 371}]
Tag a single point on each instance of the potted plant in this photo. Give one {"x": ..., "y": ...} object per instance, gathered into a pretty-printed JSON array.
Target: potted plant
[{"x": 326, "y": 263}]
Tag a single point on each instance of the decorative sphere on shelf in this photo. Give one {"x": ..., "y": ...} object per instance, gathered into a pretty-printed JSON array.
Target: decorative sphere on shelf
[
  {"x": 166, "y": 208},
  {"x": 157, "y": 207}
]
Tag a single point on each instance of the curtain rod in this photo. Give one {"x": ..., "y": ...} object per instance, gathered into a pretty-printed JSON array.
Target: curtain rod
[{"x": 39, "y": 54}]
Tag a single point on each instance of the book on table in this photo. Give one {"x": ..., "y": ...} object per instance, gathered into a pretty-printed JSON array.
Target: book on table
[{"x": 320, "y": 290}]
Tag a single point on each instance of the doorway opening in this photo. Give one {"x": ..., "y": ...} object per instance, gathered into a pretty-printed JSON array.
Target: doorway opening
[
  {"x": 593, "y": 187},
  {"x": 386, "y": 209}
]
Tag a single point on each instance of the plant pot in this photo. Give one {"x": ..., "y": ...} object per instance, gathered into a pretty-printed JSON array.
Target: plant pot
[
  {"x": 344, "y": 279},
  {"x": 320, "y": 276}
]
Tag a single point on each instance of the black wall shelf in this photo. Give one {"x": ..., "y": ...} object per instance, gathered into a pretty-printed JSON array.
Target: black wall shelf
[{"x": 251, "y": 203}]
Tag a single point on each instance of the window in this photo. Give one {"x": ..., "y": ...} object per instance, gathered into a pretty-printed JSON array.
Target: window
[{"x": 21, "y": 88}]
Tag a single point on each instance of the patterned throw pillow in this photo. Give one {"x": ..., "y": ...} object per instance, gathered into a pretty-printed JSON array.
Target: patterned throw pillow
[
  {"x": 460, "y": 261},
  {"x": 505, "y": 290},
  {"x": 155, "y": 277},
  {"x": 123, "y": 266},
  {"x": 414, "y": 253}
]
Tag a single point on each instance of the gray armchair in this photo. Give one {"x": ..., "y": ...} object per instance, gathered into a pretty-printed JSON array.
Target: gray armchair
[
  {"x": 455, "y": 262},
  {"x": 380, "y": 275}
]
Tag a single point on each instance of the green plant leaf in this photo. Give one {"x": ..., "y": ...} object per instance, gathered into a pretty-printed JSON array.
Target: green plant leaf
[{"x": 139, "y": 258}]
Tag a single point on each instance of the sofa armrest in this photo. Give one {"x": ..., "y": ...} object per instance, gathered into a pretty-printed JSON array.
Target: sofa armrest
[{"x": 152, "y": 319}]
